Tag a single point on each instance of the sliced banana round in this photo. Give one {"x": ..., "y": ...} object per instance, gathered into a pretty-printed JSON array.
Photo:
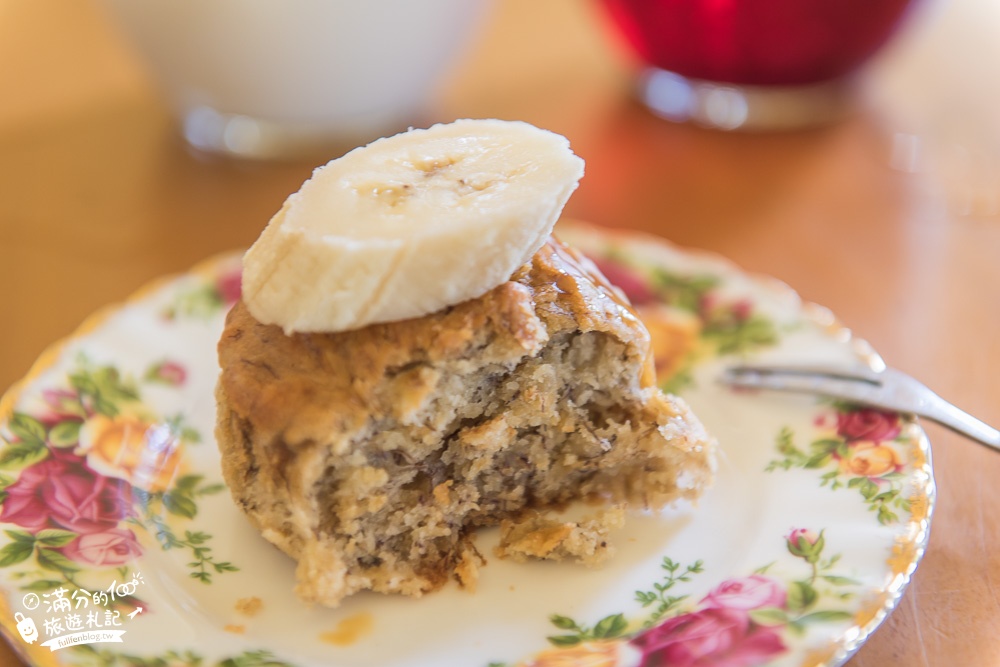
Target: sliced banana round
[{"x": 409, "y": 224}]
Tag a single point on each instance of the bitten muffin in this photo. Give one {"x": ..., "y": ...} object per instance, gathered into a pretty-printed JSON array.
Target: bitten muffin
[{"x": 371, "y": 456}]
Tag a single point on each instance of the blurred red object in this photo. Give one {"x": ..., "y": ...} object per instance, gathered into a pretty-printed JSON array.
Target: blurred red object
[
  {"x": 757, "y": 42},
  {"x": 753, "y": 64}
]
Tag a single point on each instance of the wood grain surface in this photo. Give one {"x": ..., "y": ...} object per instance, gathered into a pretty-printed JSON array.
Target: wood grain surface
[{"x": 891, "y": 218}]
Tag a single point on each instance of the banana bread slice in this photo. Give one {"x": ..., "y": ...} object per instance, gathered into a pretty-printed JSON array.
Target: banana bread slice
[{"x": 371, "y": 456}]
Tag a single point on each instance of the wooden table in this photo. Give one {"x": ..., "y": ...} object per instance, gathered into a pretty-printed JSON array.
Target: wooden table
[{"x": 891, "y": 219}]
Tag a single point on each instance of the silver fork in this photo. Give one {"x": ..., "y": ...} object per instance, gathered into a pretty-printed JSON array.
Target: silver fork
[{"x": 887, "y": 389}]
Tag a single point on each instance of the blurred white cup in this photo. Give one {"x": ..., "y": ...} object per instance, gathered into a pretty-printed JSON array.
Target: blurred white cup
[{"x": 267, "y": 78}]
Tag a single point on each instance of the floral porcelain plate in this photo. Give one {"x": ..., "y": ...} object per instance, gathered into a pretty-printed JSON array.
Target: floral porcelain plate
[{"x": 121, "y": 546}]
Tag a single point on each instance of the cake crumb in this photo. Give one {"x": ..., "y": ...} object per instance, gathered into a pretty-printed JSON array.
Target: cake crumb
[
  {"x": 235, "y": 629},
  {"x": 349, "y": 630},
  {"x": 538, "y": 537},
  {"x": 249, "y": 606},
  {"x": 467, "y": 568}
]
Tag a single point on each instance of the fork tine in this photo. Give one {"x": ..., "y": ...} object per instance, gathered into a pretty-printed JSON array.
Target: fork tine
[
  {"x": 861, "y": 373},
  {"x": 826, "y": 381}
]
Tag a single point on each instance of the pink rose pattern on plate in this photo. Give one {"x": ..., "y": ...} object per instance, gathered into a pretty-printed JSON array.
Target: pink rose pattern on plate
[
  {"x": 62, "y": 491},
  {"x": 741, "y": 622},
  {"x": 167, "y": 372},
  {"x": 91, "y": 467},
  {"x": 90, "y": 473},
  {"x": 748, "y": 593},
  {"x": 109, "y": 548},
  {"x": 715, "y": 636}
]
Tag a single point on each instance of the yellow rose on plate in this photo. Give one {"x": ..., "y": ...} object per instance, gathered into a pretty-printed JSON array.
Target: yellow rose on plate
[
  {"x": 870, "y": 459},
  {"x": 673, "y": 336},
  {"x": 146, "y": 454}
]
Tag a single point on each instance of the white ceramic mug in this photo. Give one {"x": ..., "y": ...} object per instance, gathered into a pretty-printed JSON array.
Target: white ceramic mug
[{"x": 263, "y": 78}]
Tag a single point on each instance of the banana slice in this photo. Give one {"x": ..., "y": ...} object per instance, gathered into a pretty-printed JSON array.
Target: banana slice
[{"x": 409, "y": 224}]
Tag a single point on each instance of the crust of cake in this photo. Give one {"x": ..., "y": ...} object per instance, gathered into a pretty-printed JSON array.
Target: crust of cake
[{"x": 371, "y": 456}]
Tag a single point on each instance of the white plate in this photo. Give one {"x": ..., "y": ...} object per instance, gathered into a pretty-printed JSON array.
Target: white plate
[{"x": 817, "y": 520}]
